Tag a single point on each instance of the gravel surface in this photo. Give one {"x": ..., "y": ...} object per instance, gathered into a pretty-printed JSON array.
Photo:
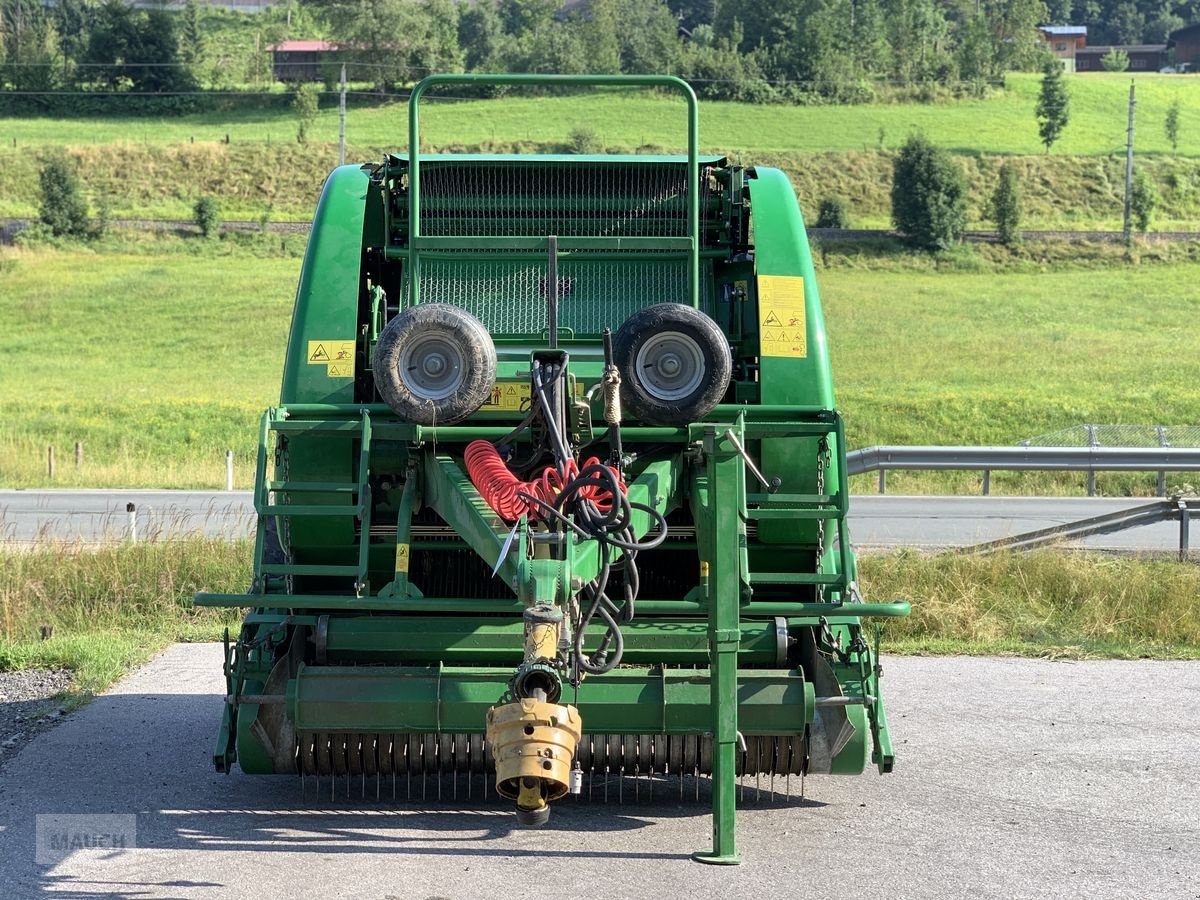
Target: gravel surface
[
  {"x": 27, "y": 706},
  {"x": 1014, "y": 778}
]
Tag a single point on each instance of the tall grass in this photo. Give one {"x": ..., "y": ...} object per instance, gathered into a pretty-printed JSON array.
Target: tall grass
[
  {"x": 284, "y": 181},
  {"x": 110, "y": 607},
  {"x": 1046, "y": 602}
]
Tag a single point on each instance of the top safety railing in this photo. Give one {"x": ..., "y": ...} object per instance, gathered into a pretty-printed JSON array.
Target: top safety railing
[{"x": 417, "y": 242}]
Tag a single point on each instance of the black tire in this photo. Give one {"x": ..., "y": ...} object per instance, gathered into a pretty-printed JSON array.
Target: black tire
[
  {"x": 662, "y": 398},
  {"x": 468, "y": 364}
]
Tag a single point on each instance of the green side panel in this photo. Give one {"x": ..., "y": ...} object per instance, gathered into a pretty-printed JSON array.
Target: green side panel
[
  {"x": 327, "y": 299},
  {"x": 781, "y": 248}
]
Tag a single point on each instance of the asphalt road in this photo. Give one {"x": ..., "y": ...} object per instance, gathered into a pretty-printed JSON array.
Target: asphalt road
[
  {"x": 1014, "y": 778},
  {"x": 875, "y": 521}
]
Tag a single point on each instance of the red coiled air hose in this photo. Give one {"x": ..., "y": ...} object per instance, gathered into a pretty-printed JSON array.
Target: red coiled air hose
[{"x": 502, "y": 490}]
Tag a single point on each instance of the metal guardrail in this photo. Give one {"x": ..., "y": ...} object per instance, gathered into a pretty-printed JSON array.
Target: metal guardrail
[
  {"x": 1023, "y": 459},
  {"x": 1180, "y": 508}
]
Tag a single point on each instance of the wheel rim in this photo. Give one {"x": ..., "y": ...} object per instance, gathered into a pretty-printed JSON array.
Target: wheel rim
[
  {"x": 670, "y": 366},
  {"x": 432, "y": 367}
]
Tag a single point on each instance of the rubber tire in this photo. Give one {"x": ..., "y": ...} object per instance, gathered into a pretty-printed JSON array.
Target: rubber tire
[
  {"x": 646, "y": 324},
  {"x": 455, "y": 325}
]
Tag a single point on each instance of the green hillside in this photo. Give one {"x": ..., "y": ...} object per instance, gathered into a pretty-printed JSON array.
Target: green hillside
[{"x": 1003, "y": 123}]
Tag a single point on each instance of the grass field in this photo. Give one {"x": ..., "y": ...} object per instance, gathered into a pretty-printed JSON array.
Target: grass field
[
  {"x": 1002, "y": 123},
  {"x": 114, "y": 607},
  {"x": 157, "y": 362},
  {"x": 160, "y": 357}
]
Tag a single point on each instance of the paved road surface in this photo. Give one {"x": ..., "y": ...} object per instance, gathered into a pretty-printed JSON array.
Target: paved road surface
[
  {"x": 1015, "y": 778},
  {"x": 876, "y": 522}
]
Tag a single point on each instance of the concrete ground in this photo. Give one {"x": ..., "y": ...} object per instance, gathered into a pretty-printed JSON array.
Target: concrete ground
[{"x": 1014, "y": 778}]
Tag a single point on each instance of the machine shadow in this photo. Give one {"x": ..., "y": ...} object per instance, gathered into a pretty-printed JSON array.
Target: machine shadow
[{"x": 183, "y": 804}]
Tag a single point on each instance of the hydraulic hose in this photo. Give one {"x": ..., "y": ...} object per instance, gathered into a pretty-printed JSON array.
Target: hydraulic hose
[{"x": 510, "y": 497}]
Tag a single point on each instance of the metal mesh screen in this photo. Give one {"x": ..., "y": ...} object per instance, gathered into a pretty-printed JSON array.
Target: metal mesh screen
[
  {"x": 509, "y": 296},
  {"x": 1119, "y": 436},
  {"x": 610, "y": 200}
]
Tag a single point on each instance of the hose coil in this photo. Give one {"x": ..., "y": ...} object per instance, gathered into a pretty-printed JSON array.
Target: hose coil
[{"x": 506, "y": 494}]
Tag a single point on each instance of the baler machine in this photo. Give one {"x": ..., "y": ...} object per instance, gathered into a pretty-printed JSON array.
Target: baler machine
[{"x": 556, "y": 487}]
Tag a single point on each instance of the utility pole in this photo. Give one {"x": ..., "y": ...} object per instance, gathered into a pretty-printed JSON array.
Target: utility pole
[
  {"x": 341, "y": 121},
  {"x": 1129, "y": 167}
]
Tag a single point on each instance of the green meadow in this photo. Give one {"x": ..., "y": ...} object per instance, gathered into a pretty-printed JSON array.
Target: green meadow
[
  {"x": 160, "y": 353},
  {"x": 1002, "y": 122}
]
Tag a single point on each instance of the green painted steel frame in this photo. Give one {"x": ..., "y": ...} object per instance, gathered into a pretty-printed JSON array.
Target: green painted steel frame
[
  {"x": 631, "y": 700},
  {"x": 417, "y": 243}
]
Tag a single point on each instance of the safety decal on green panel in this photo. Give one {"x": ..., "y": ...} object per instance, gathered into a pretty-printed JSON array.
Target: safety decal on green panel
[
  {"x": 336, "y": 356},
  {"x": 782, "y": 326},
  {"x": 513, "y": 396},
  {"x": 402, "y": 559}
]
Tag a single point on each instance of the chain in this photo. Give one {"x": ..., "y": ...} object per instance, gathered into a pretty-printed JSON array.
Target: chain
[{"x": 823, "y": 458}]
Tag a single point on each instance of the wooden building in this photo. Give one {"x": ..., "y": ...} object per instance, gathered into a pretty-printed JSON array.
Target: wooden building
[
  {"x": 299, "y": 60},
  {"x": 1142, "y": 57},
  {"x": 1186, "y": 44},
  {"x": 1064, "y": 41}
]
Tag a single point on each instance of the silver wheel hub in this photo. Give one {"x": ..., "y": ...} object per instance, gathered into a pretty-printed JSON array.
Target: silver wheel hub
[
  {"x": 432, "y": 367},
  {"x": 670, "y": 366}
]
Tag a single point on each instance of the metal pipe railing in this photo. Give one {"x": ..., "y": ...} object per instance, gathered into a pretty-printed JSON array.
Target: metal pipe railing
[{"x": 669, "y": 82}]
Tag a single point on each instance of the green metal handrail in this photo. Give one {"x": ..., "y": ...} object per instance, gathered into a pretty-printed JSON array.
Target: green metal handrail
[{"x": 658, "y": 81}]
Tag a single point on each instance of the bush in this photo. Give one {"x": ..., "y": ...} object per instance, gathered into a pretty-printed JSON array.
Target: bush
[
  {"x": 584, "y": 140},
  {"x": 832, "y": 213},
  {"x": 929, "y": 203},
  {"x": 1115, "y": 61},
  {"x": 1006, "y": 205},
  {"x": 207, "y": 214},
  {"x": 103, "y": 219},
  {"x": 63, "y": 208},
  {"x": 1142, "y": 201}
]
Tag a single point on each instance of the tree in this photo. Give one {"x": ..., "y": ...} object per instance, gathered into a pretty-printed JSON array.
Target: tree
[
  {"x": 525, "y": 16},
  {"x": 63, "y": 206},
  {"x": 305, "y": 100},
  {"x": 1006, "y": 205},
  {"x": 929, "y": 195},
  {"x": 1171, "y": 124},
  {"x": 481, "y": 37},
  {"x": 1142, "y": 201},
  {"x": 28, "y": 46},
  {"x": 397, "y": 40},
  {"x": 73, "y": 20},
  {"x": 1115, "y": 60},
  {"x": 131, "y": 48},
  {"x": 1054, "y": 104},
  {"x": 191, "y": 39},
  {"x": 648, "y": 37},
  {"x": 690, "y": 13},
  {"x": 1126, "y": 23}
]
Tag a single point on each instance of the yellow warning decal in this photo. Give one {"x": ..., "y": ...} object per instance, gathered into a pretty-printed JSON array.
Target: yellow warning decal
[
  {"x": 782, "y": 328},
  {"x": 704, "y": 568},
  {"x": 514, "y": 396},
  {"x": 511, "y": 396},
  {"x": 329, "y": 353},
  {"x": 402, "y": 559},
  {"x": 340, "y": 370}
]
